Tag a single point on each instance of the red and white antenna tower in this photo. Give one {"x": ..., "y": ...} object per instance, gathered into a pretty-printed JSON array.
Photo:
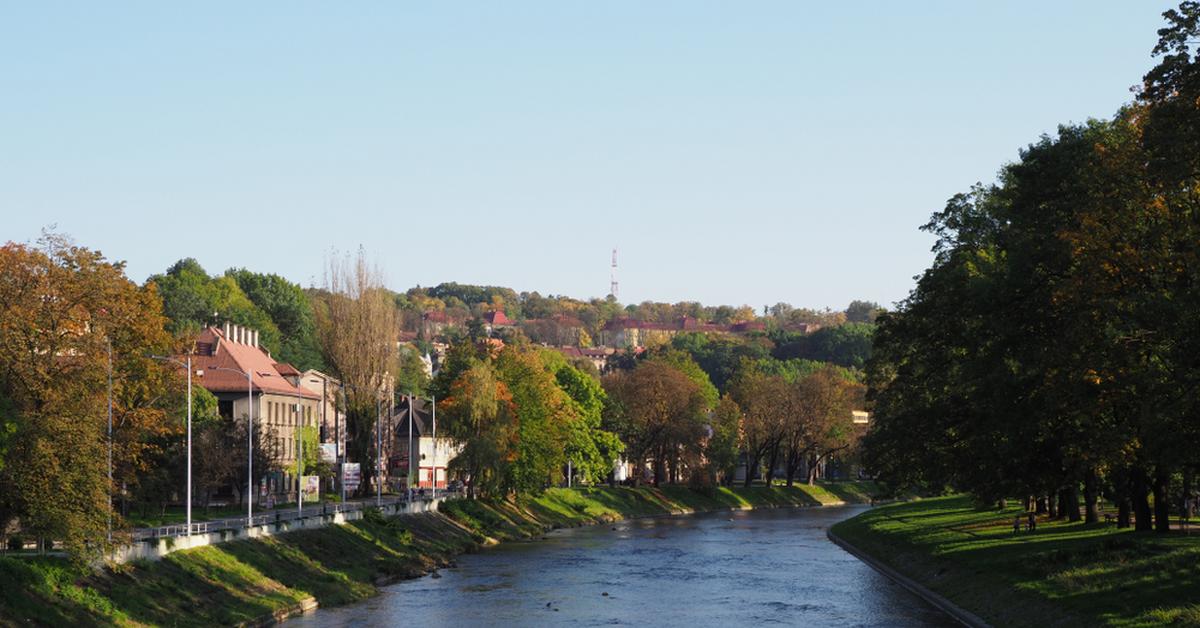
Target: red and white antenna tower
[{"x": 612, "y": 288}]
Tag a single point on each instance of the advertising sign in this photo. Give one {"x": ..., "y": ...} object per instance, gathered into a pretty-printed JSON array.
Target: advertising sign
[
  {"x": 329, "y": 452},
  {"x": 312, "y": 487},
  {"x": 351, "y": 476}
]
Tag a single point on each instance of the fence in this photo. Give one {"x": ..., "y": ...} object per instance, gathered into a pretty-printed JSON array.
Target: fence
[{"x": 287, "y": 518}]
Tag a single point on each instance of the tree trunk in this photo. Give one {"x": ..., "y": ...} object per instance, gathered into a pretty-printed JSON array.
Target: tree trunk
[
  {"x": 1027, "y": 503},
  {"x": 751, "y": 467},
  {"x": 1052, "y": 504},
  {"x": 1139, "y": 488},
  {"x": 1090, "y": 499},
  {"x": 1070, "y": 503},
  {"x": 1162, "y": 500},
  {"x": 1001, "y": 503},
  {"x": 812, "y": 469},
  {"x": 771, "y": 462},
  {"x": 1124, "y": 512},
  {"x": 1042, "y": 505}
]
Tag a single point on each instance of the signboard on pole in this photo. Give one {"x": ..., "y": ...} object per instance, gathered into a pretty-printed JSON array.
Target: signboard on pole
[
  {"x": 312, "y": 487},
  {"x": 329, "y": 452},
  {"x": 351, "y": 476}
]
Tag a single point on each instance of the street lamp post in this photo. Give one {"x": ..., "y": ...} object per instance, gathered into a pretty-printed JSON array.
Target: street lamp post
[
  {"x": 249, "y": 439},
  {"x": 110, "y": 443},
  {"x": 378, "y": 454},
  {"x": 299, "y": 460},
  {"x": 187, "y": 366},
  {"x": 433, "y": 402}
]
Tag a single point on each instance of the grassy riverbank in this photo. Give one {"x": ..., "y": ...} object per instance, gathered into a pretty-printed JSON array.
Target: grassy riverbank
[
  {"x": 1065, "y": 574},
  {"x": 251, "y": 580}
]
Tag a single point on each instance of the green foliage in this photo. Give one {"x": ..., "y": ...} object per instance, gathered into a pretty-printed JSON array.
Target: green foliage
[
  {"x": 411, "y": 378},
  {"x": 192, "y": 299},
  {"x": 847, "y": 345},
  {"x": 290, "y": 310}
]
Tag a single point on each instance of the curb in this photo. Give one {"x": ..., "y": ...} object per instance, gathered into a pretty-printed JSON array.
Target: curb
[{"x": 964, "y": 617}]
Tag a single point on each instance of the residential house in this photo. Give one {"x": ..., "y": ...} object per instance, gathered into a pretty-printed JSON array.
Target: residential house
[
  {"x": 632, "y": 332},
  {"x": 430, "y": 453},
  {"x": 272, "y": 397}
]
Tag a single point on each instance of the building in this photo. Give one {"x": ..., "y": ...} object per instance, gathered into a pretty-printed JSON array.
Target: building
[
  {"x": 330, "y": 417},
  {"x": 496, "y": 320},
  {"x": 434, "y": 323},
  {"x": 431, "y": 456},
  {"x": 279, "y": 405},
  {"x": 632, "y": 332}
]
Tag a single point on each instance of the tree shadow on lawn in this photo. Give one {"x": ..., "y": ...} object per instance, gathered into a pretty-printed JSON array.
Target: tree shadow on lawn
[
  {"x": 198, "y": 587},
  {"x": 850, "y": 492},
  {"x": 1102, "y": 576},
  {"x": 332, "y": 564}
]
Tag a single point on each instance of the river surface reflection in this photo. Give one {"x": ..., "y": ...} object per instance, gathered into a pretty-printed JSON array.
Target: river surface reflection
[{"x": 722, "y": 569}]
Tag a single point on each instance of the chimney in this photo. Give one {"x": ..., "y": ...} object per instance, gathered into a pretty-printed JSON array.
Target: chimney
[
  {"x": 254, "y": 335},
  {"x": 226, "y": 330},
  {"x": 237, "y": 334}
]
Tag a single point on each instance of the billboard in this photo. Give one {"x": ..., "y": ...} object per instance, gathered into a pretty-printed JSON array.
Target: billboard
[
  {"x": 329, "y": 452},
  {"x": 312, "y": 487},
  {"x": 351, "y": 475}
]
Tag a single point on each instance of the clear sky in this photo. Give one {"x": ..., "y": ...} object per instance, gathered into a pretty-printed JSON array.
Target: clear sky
[{"x": 735, "y": 152}]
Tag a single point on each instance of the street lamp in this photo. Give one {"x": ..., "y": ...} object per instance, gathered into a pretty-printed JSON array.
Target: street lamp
[
  {"x": 110, "y": 442},
  {"x": 187, "y": 366},
  {"x": 249, "y": 438}
]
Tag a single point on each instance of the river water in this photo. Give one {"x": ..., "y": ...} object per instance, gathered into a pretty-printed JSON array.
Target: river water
[{"x": 745, "y": 568}]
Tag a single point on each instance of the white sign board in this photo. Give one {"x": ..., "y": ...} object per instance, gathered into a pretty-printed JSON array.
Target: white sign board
[{"x": 351, "y": 476}]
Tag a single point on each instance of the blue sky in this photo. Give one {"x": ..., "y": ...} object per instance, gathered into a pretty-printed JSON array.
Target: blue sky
[{"x": 740, "y": 153}]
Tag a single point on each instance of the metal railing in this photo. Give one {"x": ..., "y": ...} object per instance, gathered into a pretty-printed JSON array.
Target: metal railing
[{"x": 279, "y": 516}]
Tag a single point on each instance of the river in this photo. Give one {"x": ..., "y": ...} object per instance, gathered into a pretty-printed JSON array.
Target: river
[{"x": 744, "y": 568}]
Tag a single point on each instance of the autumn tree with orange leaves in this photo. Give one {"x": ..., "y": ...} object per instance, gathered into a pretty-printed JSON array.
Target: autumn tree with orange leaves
[{"x": 64, "y": 310}]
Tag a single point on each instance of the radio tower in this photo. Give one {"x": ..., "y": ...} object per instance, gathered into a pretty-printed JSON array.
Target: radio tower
[{"x": 612, "y": 288}]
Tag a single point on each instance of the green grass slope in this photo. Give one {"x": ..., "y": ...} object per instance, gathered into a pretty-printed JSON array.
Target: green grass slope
[{"x": 1064, "y": 574}]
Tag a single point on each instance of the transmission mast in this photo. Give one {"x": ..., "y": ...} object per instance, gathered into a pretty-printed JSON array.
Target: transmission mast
[{"x": 612, "y": 287}]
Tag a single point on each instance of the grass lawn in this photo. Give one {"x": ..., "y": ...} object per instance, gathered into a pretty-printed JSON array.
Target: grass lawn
[
  {"x": 246, "y": 580},
  {"x": 1067, "y": 574}
]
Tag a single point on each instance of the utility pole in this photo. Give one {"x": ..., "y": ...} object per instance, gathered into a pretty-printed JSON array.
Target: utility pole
[
  {"x": 410, "y": 449},
  {"x": 433, "y": 402},
  {"x": 188, "y": 489},
  {"x": 299, "y": 460},
  {"x": 378, "y": 454},
  {"x": 249, "y": 450},
  {"x": 110, "y": 443}
]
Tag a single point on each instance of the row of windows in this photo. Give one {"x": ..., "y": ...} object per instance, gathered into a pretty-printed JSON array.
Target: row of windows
[{"x": 282, "y": 413}]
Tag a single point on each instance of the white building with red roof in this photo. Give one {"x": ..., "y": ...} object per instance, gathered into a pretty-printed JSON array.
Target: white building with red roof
[{"x": 222, "y": 359}]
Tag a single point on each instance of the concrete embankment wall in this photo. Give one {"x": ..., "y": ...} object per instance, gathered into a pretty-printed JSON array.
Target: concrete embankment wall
[{"x": 154, "y": 549}]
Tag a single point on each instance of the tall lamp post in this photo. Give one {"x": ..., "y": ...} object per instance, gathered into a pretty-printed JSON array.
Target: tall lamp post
[
  {"x": 249, "y": 438},
  {"x": 188, "y": 366},
  {"x": 110, "y": 443}
]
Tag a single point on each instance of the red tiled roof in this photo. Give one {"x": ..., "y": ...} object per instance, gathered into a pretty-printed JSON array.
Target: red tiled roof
[
  {"x": 225, "y": 354},
  {"x": 497, "y": 318},
  {"x": 286, "y": 370}
]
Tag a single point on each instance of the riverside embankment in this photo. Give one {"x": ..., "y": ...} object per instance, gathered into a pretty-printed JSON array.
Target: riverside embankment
[
  {"x": 1062, "y": 574},
  {"x": 259, "y": 581}
]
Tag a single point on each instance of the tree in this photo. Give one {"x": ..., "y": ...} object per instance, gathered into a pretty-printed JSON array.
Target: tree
[
  {"x": 191, "y": 299},
  {"x": 291, "y": 312},
  {"x": 63, "y": 311},
  {"x": 356, "y": 324},
  {"x": 591, "y": 449},
  {"x": 862, "y": 312},
  {"x": 481, "y": 419},
  {"x": 766, "y": 402},
  {"x": 722, "y": 446},
  {"x": 659, "y": 413}
]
